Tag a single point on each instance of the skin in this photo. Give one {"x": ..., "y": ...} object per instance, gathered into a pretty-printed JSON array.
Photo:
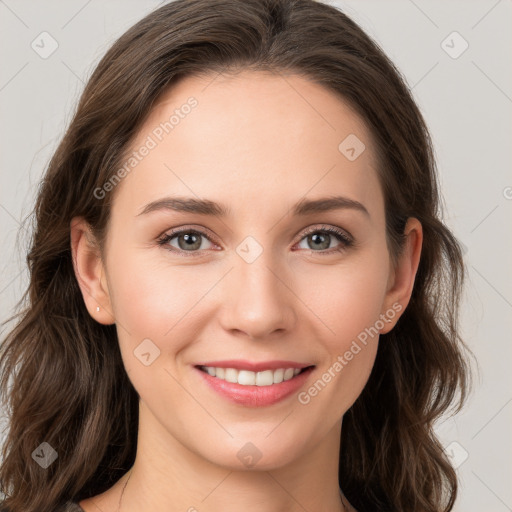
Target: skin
[{"x": 257, "y": 143}]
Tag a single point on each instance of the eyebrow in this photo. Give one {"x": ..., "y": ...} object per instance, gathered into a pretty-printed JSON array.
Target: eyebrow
[{"x": 207, "y": 207}]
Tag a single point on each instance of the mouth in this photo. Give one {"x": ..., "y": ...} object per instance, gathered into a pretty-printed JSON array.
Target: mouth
[
  {"x": 267, "y": 377},
  {"x": 263, "y": 385}
]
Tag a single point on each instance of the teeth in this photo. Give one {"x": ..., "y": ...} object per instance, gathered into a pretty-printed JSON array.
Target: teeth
[{"x": 248, "y": 378}]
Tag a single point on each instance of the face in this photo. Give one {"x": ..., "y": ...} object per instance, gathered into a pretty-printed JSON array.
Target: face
[{"x": 269, "y": 281}]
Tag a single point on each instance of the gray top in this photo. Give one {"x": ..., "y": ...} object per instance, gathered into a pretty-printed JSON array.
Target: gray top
[{"x": 72, "y": 506}]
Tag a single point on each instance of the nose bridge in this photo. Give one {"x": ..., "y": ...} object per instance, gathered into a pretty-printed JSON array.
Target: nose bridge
[{"x": 257, "y": 301}]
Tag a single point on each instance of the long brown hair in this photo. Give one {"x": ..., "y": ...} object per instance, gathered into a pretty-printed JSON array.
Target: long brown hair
[{"x": 69, "y": 386}]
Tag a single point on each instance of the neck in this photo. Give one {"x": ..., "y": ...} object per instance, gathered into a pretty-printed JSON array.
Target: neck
[{"x": 176, "y": 479}]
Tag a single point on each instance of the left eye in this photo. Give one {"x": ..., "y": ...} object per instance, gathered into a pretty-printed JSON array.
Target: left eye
[
  {"x": 321, "y": 238},
  {"x": 190, "y": 241}
]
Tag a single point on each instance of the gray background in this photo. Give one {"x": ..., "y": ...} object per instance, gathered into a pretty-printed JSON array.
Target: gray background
[{"x": 466, "y": 100}]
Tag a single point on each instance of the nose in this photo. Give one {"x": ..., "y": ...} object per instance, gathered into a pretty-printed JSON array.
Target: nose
[{"x": 258, "y": 301}]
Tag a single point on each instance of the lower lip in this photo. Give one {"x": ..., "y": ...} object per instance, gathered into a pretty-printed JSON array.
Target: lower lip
[{"x": 255, "y": 396}]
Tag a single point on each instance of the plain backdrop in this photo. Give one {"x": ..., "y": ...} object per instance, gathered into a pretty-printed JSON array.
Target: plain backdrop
[{"x": 455, "y": 55}]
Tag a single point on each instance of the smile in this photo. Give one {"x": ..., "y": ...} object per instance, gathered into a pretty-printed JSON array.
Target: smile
[
  {"x": 252, "y": 384},
  {"x": 249, "y": 378}
]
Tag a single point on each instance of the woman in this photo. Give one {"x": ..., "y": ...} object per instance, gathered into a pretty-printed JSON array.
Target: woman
[{"x": 241, "y": 293}]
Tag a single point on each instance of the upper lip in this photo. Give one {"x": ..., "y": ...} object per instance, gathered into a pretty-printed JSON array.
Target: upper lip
[{"x": 239, "y": 364}]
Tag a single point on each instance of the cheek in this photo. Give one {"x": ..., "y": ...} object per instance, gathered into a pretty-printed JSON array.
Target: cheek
[
  {"x": 347, "y": 298},
  {"x": 150, "y": 296},
  {"x": 156, "y": 309},
  {"x": 350, "y": 312},
  {"x": 350, "y": 347}
]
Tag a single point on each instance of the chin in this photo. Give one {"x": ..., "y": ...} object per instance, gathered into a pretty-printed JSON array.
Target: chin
[{"x": 253, "y": 453}]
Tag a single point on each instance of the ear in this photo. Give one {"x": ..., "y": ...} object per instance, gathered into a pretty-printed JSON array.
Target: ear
[
  {"x": 90, "y": 272},
  {"x": 401, "y": 280}
]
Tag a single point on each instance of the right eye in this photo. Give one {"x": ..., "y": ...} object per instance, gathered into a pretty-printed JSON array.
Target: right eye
[{"x": 188, "y": 241}]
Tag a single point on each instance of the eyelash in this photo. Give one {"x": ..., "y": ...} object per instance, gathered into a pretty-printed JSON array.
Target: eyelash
[{"x": 331, "y": 230}]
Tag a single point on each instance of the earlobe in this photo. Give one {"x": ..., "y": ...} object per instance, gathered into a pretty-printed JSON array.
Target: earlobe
[
  {"x": 403, "y": 275},
  {"x": 90, "y": 272}
]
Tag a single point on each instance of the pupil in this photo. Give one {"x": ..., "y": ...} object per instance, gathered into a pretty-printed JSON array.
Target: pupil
[
  {"x": 191, "y": 241},
  {"x": 318, "y": 238}
]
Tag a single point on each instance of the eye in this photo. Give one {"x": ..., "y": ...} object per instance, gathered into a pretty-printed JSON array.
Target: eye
[
  {"x": 321, "y": 238},
  {"x": 188, "y": 241}
]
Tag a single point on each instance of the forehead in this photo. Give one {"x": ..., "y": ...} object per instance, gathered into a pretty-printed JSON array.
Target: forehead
[{"x": 252, "y": 140}]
